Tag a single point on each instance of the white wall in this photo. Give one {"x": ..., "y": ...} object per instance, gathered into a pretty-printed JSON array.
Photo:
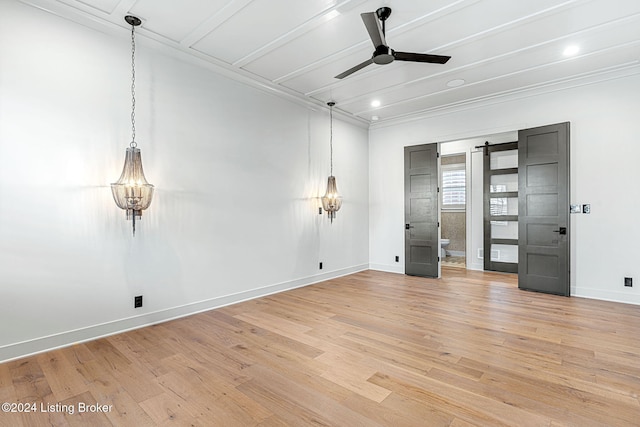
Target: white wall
[
  {"x": 604, "y": 173},
  {"x": 238, "y": 175}
]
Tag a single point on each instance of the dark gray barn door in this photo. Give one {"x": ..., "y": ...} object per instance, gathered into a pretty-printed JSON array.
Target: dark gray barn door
[
  {"x": 543, "y": 209},
  {"x": 422, "y": 248},
  {"x": 501, "y": 207}
]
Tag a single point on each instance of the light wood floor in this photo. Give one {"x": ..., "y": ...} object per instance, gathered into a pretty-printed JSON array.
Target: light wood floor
[{"x": 370, "y": 349}]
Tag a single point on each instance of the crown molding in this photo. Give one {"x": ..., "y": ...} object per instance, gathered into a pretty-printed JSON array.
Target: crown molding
[
  {"x": 613, "y": 73},
  {"x": 96, "y": 21}
]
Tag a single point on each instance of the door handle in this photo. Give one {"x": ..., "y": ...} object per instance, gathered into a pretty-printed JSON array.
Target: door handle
[
  {"x": 408, "y": 226},
  {"x": 561, "y": 230}
]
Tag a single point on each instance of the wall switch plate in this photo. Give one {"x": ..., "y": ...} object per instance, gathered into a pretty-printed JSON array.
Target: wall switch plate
[
  {"x": 575, "y": 209},
  {"x": 628, "y": 282},
  {"x": 586, "y": 209},
  {"x": 137, "y": 301}
]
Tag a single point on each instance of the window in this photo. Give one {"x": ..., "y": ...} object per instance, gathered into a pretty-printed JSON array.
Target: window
[{"x": 454, "y": 185}]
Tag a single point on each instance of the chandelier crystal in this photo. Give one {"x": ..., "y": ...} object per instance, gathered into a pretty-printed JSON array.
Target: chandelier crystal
[
  {"x": 132, "y": 192},
  {"x": 331, "y": 201}
]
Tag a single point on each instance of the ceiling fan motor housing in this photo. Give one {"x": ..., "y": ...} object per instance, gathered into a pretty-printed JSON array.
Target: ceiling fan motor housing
[{"x": 383, "y": 55}]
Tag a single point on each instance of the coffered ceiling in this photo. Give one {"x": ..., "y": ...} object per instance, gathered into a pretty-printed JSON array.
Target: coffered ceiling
[{"x": 296, "y": 47}]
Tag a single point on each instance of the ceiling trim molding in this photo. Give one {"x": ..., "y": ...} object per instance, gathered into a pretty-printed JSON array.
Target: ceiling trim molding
[
  {"x": 209, "y": 25},
  {"x": 515, "y": 73},
  {"x": 614, "y": 73},
  {"x": 313, "y": 22},
  {"x": 192, "y": 56},
  {"x": 123, "y": 7}
]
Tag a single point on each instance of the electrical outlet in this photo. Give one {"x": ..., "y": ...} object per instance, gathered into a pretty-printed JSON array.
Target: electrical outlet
[
  {"x": 628, "y": 282},
  {"x": 319, "y": 211},
  {"x": 320, "y": 266},
  {"x": 137, "y": 301},
  {"x": 397, "y": 258}
]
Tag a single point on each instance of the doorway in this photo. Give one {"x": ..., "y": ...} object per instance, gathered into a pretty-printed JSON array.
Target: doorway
[
  {"x": 542, "y": 208},
  {"x": 453, "y": 210}
]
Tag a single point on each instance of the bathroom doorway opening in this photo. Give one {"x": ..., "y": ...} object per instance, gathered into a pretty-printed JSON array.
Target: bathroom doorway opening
[
  {"x": 465, "y": 248},
  {"x": 453, "y": 210}
]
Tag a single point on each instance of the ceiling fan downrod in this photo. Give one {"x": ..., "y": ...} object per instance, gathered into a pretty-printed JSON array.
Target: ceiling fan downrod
[{"x": 383, "y": 13}]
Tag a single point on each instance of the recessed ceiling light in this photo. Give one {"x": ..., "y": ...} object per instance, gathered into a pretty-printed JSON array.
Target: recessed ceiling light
[
  {"x": 571, "y": 50},
  {"x": 455, "y": 82},
  {"x": 375, "y": 103}
]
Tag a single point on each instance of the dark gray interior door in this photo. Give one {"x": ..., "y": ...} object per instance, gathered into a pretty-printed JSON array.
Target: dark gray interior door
[
  {"x": 543, "y": 209},
  {"x": 422, "y": 247}
]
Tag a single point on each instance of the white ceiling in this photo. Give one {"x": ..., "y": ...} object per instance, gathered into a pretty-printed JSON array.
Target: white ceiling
[{"x": 296, "y": 47}]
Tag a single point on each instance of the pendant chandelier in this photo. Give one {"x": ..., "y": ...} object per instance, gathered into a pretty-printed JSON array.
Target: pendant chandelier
[
  {"x": 132, "y": 192},
  {"x": 331, "y": 201}
]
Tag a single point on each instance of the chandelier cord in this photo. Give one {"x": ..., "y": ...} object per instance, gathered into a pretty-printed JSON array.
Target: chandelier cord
[
  {"x": 133, "y": 143},
  {"x": 331, "y": 136}
]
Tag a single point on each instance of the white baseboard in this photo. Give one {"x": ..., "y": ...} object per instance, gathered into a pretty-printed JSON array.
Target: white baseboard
[
  {"x": 63, "y": 339},
  {"x": 622, "y": 297},
  {"x": 389, "y": 268},
  {"x": 455, "y": 253},
  {"x": 476, "y": 267}
]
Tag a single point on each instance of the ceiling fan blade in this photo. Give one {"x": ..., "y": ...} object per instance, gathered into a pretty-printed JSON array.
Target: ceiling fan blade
[
  {"x": 421, "y": 57},
  {"x": 354, "y": 69},
  {"x": 373, "y": 27}
]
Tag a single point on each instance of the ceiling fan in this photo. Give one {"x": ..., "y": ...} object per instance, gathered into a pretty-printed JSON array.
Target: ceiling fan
[{"x": 383, "y": 53}]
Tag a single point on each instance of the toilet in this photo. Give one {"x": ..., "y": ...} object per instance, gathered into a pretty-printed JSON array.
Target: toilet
[{"x": 443, "y": 245}]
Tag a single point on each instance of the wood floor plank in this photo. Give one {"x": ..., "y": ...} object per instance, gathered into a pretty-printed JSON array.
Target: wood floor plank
[
  {"x": 398, "y": 411},
  {"x": 418, "y": 413},
  {"x": 107, "y": 390},
  {"x": 7, "y": 392},
  {"x": 77, "y": 354},
  {"x": 61, "y": 375},
  {"x": 286, "y": 398},
  {"x": 31, "y": 387},
  {"x": 213, "y": 389},
  {"x": 28, "y": 380},
  {"x": 462, "y": 403},
  {"x": 273, "y": 421},
  {"x": 166, "y": 410},
  {"x": 368, "y": 349},
  {"x": 84, "y": 416}
]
